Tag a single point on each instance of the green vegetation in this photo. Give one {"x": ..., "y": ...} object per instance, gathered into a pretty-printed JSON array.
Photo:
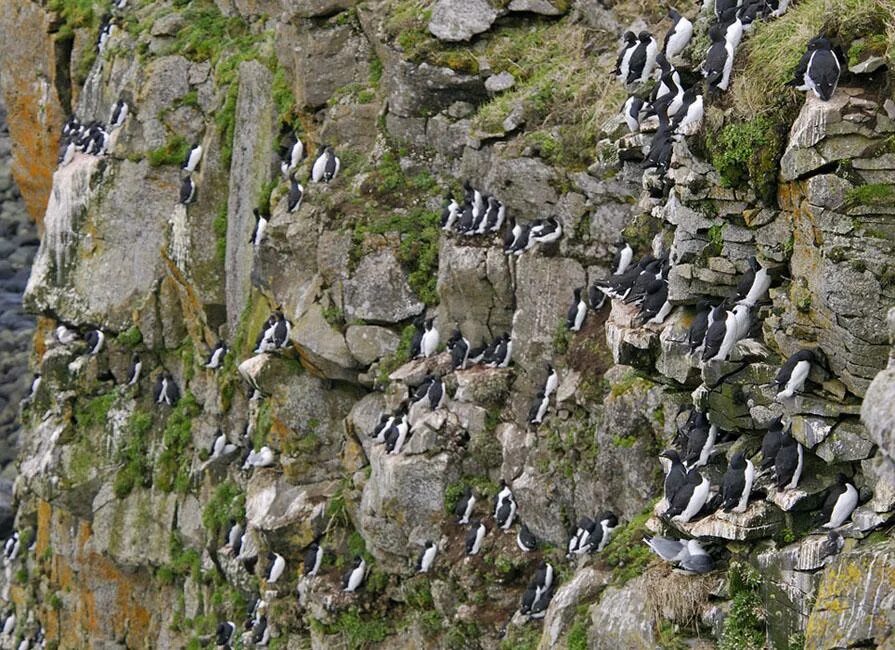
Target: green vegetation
[
  {"x": 220, "y": 233},
  {"x": 226, "y": 503},
  {"x": 562, "y": 337},
  {"x": 483, "y": 487},
  {"x": 775, "y": 47},
  {"x": 872, "y": 45},
  {"x": 577, "y": 638},
  {"x": 626, "y": 553},
  {"x": 173, "y": 465},
  {"x": 131, "y": 337},
  {"x": 136, "y": 470},
  {"x": 359, "y": 630},
  {"x": 521, "y": 638},
  {"x": 744, "y": 627},
  {"x": 873, "y": 194},
  {"x": 750, "y": 151},
  {"x": 94, "y": 413},
  {"x": 173, "y": 153},
  {"x": 399, "y": 358},
  {"x": 184, "y": 562}
]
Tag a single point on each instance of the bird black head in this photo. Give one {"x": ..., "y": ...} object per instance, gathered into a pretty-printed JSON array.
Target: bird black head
[
  {"x": 819, "y": 42},
  {"x": 738, "y": 460},
  {"x": 429, "y": 322},
  {"x": 644, "y": 37},
  {"x": 630, "y": 38},
  {"x": 716, "y": 34},
  {"x": 671, "y": 455},
  {"x": 608, "y": 517},
  {"x": 674, "y": 15},
  {"x": 271, "y": 556},
  {"x": 577, "y": 292}
]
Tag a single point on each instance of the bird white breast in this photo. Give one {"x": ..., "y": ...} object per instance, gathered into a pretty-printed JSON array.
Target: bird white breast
[
  {"x": 428, "y": 558},
  {"x": 477, "y": 544},
  {"x": 662, "y": 314},
  {"x": 429, "y": 343},
  {"x": 318, "y": 169},
  {"x": 697, "y": 500},
  {"x": 356, "y": 576},
  {"x": 552, "y": 383},
  {"x": 759, "y": 286},
  {"x": 796, "y": 379},
  {"x": 651, "y": 52},
  {"x": 277, "y": 569},
  {"x": 470, "y": 504},
  {"x": 845, "y": 505},
  {"x": 195, "y": 157},
  {"x": 749, "y": 475},
  {"x": 579, "y": 317},
  {"x": 798, "y": 473},
  {"x": 683, "y": 31}
]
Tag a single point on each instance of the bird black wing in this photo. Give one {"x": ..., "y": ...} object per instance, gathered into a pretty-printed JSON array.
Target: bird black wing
[
  {"x": 732, "y": 488},
  {"x": 798, "y": 75}
]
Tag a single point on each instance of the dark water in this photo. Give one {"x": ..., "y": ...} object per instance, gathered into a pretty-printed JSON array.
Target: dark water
[{"x": 18, "y": 245}]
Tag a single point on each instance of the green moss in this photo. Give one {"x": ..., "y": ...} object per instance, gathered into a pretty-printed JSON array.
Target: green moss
[
  {"x": 744, "y": 627},
  {"x": 173, "y": 464},
  {"x": 359, "y": 630},
  {"x": 562, "y": 337},
  {"x": 94, "y": 413},
  {"x": 190, "y": 99},
  {"x": 226, "y": 503},
  {"x": 131, "y": 337},
  {"x": 749, "y": 151},
  {"x": 626, "y": 383},
  {"x": 334, "y": 316},
  {"x": 521, "y": 638},
  {"x": 483, "y": 486},
  {"x": 172, "y": 153},
  {"x": 626, "y": 553},
  {"x": 626, "y": 442},
  {"x": 55, "y": 602},
  {"x": 220, "y": 233},
  {"x": 873, "y": 194},
  {"x": 136, "y": 470},
  {"x": 577, "y": 637}
]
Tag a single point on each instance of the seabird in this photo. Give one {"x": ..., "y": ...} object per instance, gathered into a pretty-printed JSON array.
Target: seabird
[
  {"x": 135, "y": 369},
  {"x": 430, "y": 339},
  {"x": 696, "y": 334},
  {"x": 118, "y": 115},
  {"x": 695, "y": 560},
  {"x": 622, "y": 260},
  {"x": 474, "y": 538},
  {"x": 743, "y": 317},
  {"x": 678, "y": 36},
  {"x": 95, "y": 340},
  {"x": 264, "y": 457},
  {"x": 688, "y": 118},
  {"x": 643, "y": 59},
  {"x": 718, "y": 60},
  {"x": 416, "y": 341},
  {"x": 841, "y": 501},
  {"x": 538, "y": 408},
  {"x": 503, "y": 351},
  {"x": 459, "y": 349},
  {"x": 819, "y": 69},
  {"x": 622, "y": 64},
  {"x": 9, "y": 623},
  {"x": 791, "y": 377},
  {"x": 505, "y": 512},
  {"x": 191, "y": 162},
  {"x": 631, "y": 113},
  {"x": 546, "y": 232},
  {"x": 675, "y": 473},
  {"x": 576, "y": 313},
  {"x": 449, "y": 213},
  {"x": 277, "y": 566},
  {"x": 689, "y": 498},
  {"x": 754, "y": 284},
  {"x": 319, "y": 167},
  {"x": 296, "y": 192},
  {"x": 737, "y": 483},
  {"x": 551, "y": 382},
  {"x": 396, "y": 434},
  {"x": 700, "y": 443},
  {"x": 464, "y": 506},
  {"x": 261, "y": 632},
  {"x": 293, "y": 156},
  {"x": 720, "y": 338},
  {"x": 331, "y": 166},
  {"x": 224, "y": 633},
  {"x": 788, "y": 463},
  {"x": 525, "y": 540},
  {"x": 187, "y": 191},
  {"x": 216, "y": 357},
  {"x": 670, "y": 550},
  {"x": 166, "y": 391},
  {"x": 312, "y": 560},
  {"x": 770, "y": 444},
  {"x": 234, "y": 537},
  {"x": 427, "y": 557},
  {"x": 655, "y": 306},
  {"x": 353, "y": 578}
]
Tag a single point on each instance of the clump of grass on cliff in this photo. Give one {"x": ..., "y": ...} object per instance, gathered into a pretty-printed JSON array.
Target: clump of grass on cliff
[
  {"x": 136, "y": 470},
  {"x": 173, "y": 464},
  {"x": 775, "y": 47},
  {"x": 565, "y": 94},
  {"x": 744, "y": 627}
]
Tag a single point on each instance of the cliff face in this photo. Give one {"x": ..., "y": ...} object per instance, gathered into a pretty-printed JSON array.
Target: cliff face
[{"x": 126, "y": 506}]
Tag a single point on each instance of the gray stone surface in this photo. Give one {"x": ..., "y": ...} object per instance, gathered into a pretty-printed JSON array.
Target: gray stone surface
[
  {"x": 378, "y": 291},
  {"x": 370, "y": 342},
  {"x": 460, "y": 20},
  {"x": 622, "y": 618}
]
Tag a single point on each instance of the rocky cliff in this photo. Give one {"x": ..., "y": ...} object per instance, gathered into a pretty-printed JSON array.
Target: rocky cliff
[{"x": 123, "y": 507}]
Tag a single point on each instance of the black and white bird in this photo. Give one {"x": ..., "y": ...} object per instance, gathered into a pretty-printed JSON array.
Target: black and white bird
[
  {"x": 95, "y": 340},
  {"x": 464, "y": 506},
  {"x": 260, "y": 632},
  {"x": 541, "y": 603},
  {"x": 689, "y": 116},
  {"x": 275, "y": 335},
  {"x": 35, "y": 385},
  {"x": 788, "y": 463},
  {"x": 545, "y": 231},
  {"x": 720, "y": 338},
  {"x": 552, "y": 381},
  {"x": 296, "y": 192},
  {"x": 699, "y": 326},
  {"x": 193, "y": 157},
  {"x": 631, "y": 113},
  {"x": 754, "y": 284},
  {"x": 771, "y": 442},
  {"x": 458, "y": 346},
  {"x": 543, "y": 578},
  {"x": 515, "y": 237},
  {"x": 234, "y": 537},
  {"x": 136, "y": 368},
  {"x": 577, "y": 312},
  {"x": 841, "y": 501},
  {"x": 224, "y": 633},
  {"x": 382, "y": 427},
  {"x": 737, "y": 483},
  {"x": 294, "y": 153},
  {"x": 430, "y": 339},
  {"x": 187, "y": 191},
  {"x": 689, "y": 498},
  {"x": 819, "y": 69},
  {"x": 326, "y": 167},
  {"x": 216, "y": 358},
  {"x": 474, "y": 537},
  {"x": 11, "y": 547},
  {"x": 221, "y": 447},
  {"x": 643, "y": 59},
  {"x": 430, "y": 394},
  {"x": 450, "y": 213},
  {"x": 505, "y": 512},
  {"x": 655, "y": 306},
  {"x": 261, "y": 222},
  {"x": 416, "y": 341},
  {"x": 622, "y": 64},
  {"x": 538, "y": 409},
  {"x": 700, "y": 444},
  {"x": 502, "y": 351},
  {"x": 718, "y": 60},
  {"x": 9, "y": 623},
  {"x": 166, "y": 390},
  {"x": 792, "y": 375},
  {"x": 313, "y": 559},
  {"x": 525, "y": 540},
  {"x": 678, "y": 36},
  {"x": 276, "y": 568},
  {"x": 354, "y": 578},
  {"x": 675, "y": 474},
  {"x": 118, "y": 114},
  {"x": 427, "y": 558},
  {"x": 396, "y": 435}
]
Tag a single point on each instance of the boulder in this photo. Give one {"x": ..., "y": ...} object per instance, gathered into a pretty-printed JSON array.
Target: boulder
[
  {"x": 460, "y": 20},
  {"x": 322, "y": 347},
  {"x": 378, "y": 291},
  {"x": 584, "y": 585},
  {"x": 367, "y": 343},
  {"x": 622, "y": 618}
]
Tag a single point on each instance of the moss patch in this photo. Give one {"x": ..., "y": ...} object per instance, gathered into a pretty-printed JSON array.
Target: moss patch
[
  {"x": 749, "y": 152},
  {"x": 173, "y": 464},
  {"x": 744, "y": 627},
  {"x": 626, "y": 553},
  {"x": 226, "y": 503},
  {"x": 136, "y": 470}
]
